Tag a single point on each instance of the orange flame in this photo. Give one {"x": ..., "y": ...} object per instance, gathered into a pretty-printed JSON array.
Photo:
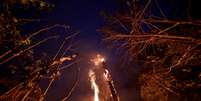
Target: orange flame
[
  {"x": 106, "y": 75},
  {"x": 98, "y": 60},
  {"x": 94, "y": 86}
]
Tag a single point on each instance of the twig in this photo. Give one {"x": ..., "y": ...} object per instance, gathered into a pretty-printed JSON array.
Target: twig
[
  {"x": 183, "y": 57},
  {"x": 46, "y": 90},
  {"x": 30, "y": 47},
  {"x": 155, "y": 36},
  {"x": 73, "y": 88},
  {"x": 46, "y": 29},
  {"x": 63, "y": 43}
]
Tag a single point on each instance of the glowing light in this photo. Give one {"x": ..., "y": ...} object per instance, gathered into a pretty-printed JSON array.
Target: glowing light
[
  {"x": 94, "y": 86},
  {"x": 98, "y": 60},
  {"x": 63, "y": 59},
  {"x": 106, "y": 75}
]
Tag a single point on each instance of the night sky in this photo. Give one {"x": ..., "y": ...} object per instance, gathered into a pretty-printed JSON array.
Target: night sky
[{"x": 84, "y": 16}]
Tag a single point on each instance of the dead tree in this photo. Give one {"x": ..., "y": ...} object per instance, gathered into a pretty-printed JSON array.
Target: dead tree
[
  {"x": 168, "y": 47},
  {"x": 22, "y": 70}
]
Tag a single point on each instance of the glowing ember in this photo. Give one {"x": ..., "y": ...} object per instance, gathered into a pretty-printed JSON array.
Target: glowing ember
[
  {"x": 63, "y": 59},
  {"x": 94, "y": 86},
  {"x": 98, "y": 60},
  {"x": 106, "y": 75}
]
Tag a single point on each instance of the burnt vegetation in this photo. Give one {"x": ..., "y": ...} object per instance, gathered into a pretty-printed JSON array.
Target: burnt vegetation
[
  {"x": 163, "y": 37},
  {"x": 166, "y": 36},
  {"x": 21, "y": 69}
]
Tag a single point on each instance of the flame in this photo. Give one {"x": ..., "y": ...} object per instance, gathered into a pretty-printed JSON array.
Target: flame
[
  {"x": 106, "y": 75},
  {"x": 63, "y": 59},
  {"x": 98, "y": 60},
  {"x": 94, "y": 86}
]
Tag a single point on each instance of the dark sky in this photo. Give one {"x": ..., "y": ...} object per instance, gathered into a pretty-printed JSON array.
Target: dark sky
[{"x": 83, "y": 16}]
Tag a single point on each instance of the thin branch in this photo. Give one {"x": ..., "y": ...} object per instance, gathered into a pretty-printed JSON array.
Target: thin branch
[
  {"x": 46, "y": 90},
  {"x": 30, "y": 47},
  {"x": 143, "y": 11},
  {"x": 63, "y": 43},
  {"x": 73, "y": 88},
  {"x": 183, "y": 57},
  {"x": 46, "y": 29},
  {"x": 66, "y": 66},
  {"x": 158, "y": 6},
  {"x": 166, "y": 29},
  {"x": 155, "y": 36},
  {"x": 164, "y": 86}
]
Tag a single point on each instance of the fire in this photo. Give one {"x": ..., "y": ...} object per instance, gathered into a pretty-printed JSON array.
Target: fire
[
  {"x": 63, "y": 59},
  {"x": 106, "y": 75},
  {"x": 98, "y": 60},
  {"x": 94, "y": 86}
]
